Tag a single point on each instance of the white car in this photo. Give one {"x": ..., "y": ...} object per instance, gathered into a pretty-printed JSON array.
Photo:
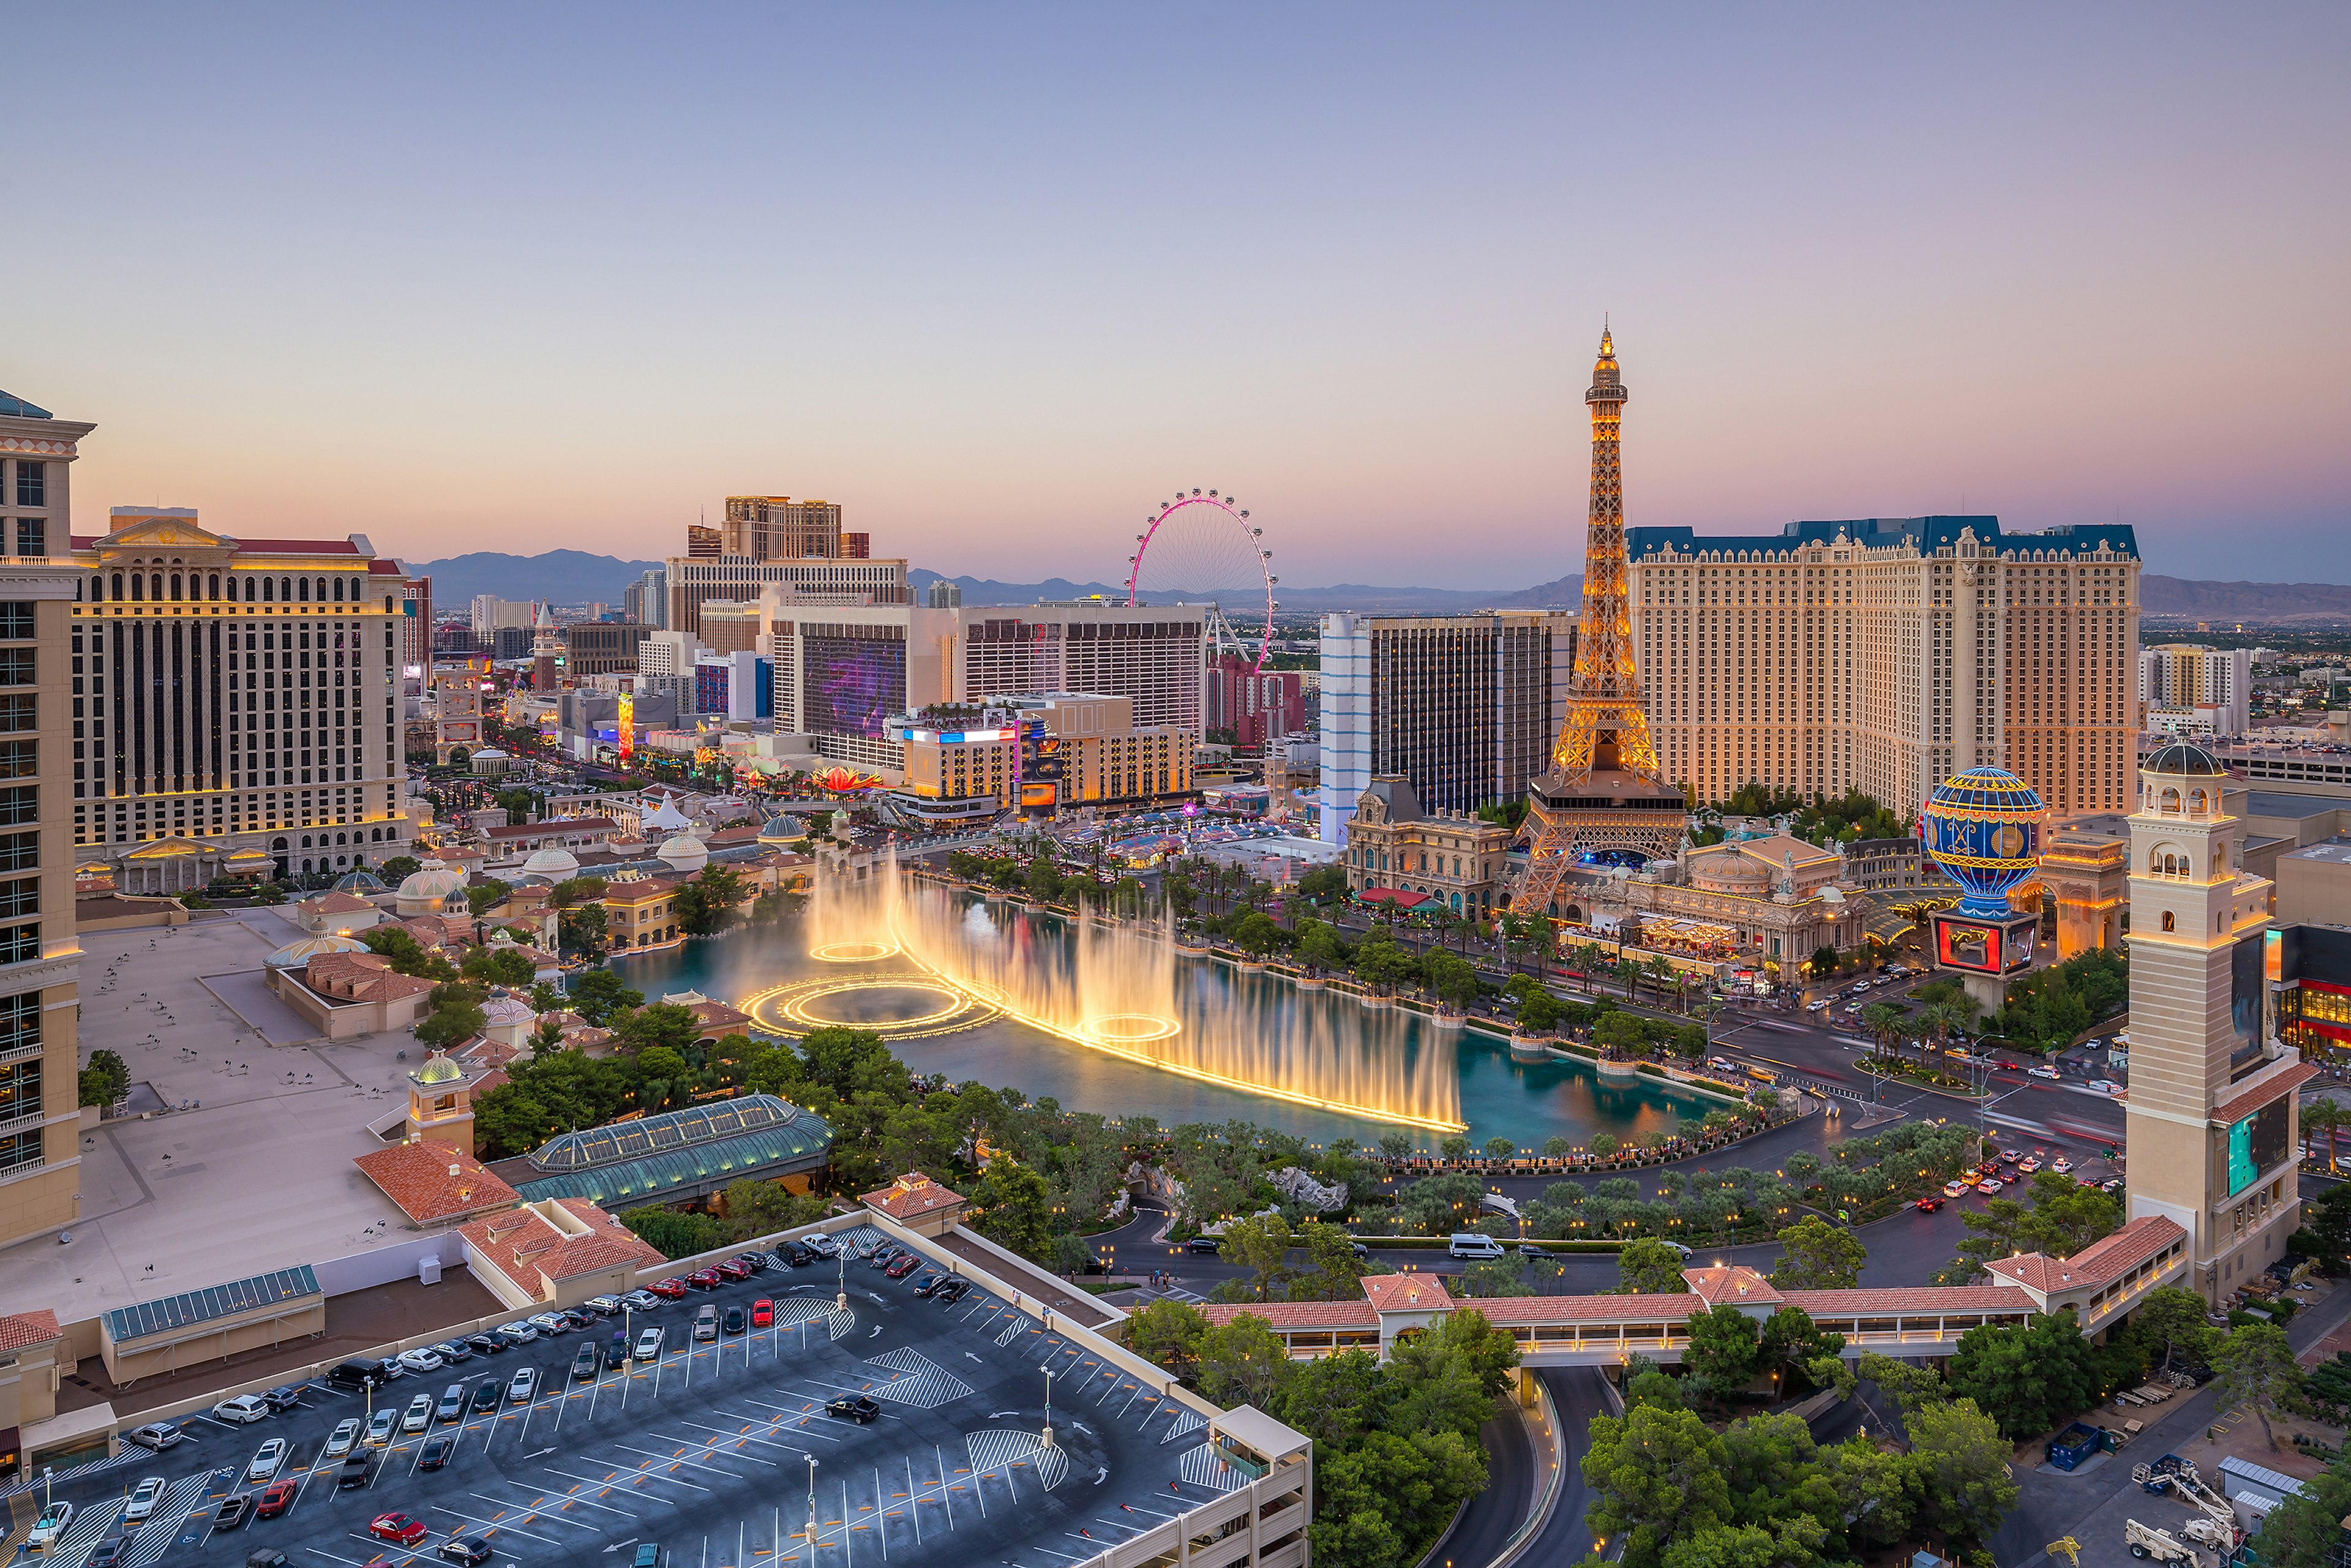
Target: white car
[
  {"x": 49, "y": 1526},
  {"x": 522, "y": 1385},
  {"x": 243, "y": 1408},
  {"x": 340, "y": 1442},
  {"x": 267, "y": 1460},
  {"x": 419, "y": 1416},
  {"x": 381, "y": 1426},
  {"x": 2041, "y": 1072},
  {"x": 2061, "y": 1166},
  {"x": 640, "y": 1301},
  {"x": 2105, "y": 1086},
  {"x": 1819, "y": 1006},
  {"x": 422, "y": 1360},
  {"x": 143, "y": 1498}
]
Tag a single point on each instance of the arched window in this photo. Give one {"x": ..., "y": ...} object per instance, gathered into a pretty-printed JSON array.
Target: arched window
[
  {"x": 279, "y": 842},
  {"x": 138, "y": 586},
  {"x": 269, "y": 590},
  {"x": 2221, "y": 859},
  {"x": 342, "y": 838},
  {"x": 286, "y": 590},
  {"x": 308, "y": 866},
  {"x": 306, "y": 840},
  {"x": 2169, "y": 804},
  {"x": 2169, "y": 923},
  {"x": 213, "y": 586},
  {"x": 97, "y": 589},
  {"x": 118, "y": 586},
  {"x": 2196, "y": 802},
  {"x": 375, "y": 836},
  {"x": 175, "y": 585},
  {"x": 302, "y": 590},
  {"x": 341, "y": 860},
  {"x": 248, "y": 589}
]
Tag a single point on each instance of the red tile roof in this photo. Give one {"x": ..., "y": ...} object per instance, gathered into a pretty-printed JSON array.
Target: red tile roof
[
  {"x": 1406, "y": 1292},
  {"x": 910, "y": 1197},
  {"x": 522, "y": 1245},
  {"x": 360, "y": 977},
  {"x": 416, "y": 1176},
  {"x": 21, "y": 1329},
  {"x": 1732, "y": 1283},
  {"x": 1910, "y": 1299},
  {"x": 2099, "y": 1264},
  {"x": 2244, "y": 1105},
  {"x": 553, "y": 827},
  {"x": 1517, "y": 1310}
]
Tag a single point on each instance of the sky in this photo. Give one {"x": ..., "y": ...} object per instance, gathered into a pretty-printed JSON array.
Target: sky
[{"x": 1000, "y": 278}]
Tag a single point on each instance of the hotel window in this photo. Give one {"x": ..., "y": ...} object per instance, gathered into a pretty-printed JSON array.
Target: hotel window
[{"x": 32, "y": 484}]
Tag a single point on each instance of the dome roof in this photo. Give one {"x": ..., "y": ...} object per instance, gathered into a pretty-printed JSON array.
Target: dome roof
[
  {"x": 554, "y": 861},
  {"x": 359, "y": 882},
  {"x": 296, "y": 955},
  {"x": 2181, "y": 756},
  {"x": 683, "y": 851},
  {"x": 783, "y": 830},
  {"x": 435, "y": 880},
  {"x": 508, "y": 1010},
  {"x": 438, "y": 1068}
]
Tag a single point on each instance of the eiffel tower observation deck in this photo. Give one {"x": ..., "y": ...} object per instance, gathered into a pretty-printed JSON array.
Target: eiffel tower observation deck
[{"x": 1604, "y": 790}]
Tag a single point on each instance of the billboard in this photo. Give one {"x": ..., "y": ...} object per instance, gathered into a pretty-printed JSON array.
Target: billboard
[
  {"x": 853, "y": 679},
  {"x": 2247, "y": 967},
  {"x": 2255, "y": 1144},
  {"x": 1985, "y": 946}
]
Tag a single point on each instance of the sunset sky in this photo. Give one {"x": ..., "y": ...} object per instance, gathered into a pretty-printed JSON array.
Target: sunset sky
[{"x": 998, "y": 277}]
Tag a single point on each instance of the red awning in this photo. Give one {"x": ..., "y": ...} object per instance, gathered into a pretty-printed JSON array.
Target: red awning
[{"x": 1395, "y": 895}]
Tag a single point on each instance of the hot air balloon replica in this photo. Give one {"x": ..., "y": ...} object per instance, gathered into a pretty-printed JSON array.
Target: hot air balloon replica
[{"x": 1983, "y": 826}]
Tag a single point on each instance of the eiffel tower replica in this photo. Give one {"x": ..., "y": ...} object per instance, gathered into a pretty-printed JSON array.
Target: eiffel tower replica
[{"x": 1603, "y": 789}]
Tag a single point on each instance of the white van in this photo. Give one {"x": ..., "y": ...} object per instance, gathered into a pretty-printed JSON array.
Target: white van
[{"x": 1471, "y": 1244}]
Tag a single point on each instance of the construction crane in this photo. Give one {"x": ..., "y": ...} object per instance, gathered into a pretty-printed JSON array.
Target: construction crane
[
  {"x": 2161, "y": 1546},
  {"x": 2069, "y": 1546}
]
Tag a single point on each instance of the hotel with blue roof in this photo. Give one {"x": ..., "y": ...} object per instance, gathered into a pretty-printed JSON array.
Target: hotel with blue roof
[{"x": 1887, "y": 654}]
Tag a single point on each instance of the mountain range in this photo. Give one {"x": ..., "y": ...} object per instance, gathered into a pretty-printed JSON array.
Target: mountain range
[{"x": 576, "y": 577}]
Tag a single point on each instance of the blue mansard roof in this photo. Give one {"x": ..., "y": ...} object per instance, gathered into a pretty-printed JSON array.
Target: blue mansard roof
[{"x": 1929, "y": 534}]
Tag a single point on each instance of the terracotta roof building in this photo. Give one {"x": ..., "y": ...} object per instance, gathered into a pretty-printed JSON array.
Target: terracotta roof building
[
  {"x": 346, "y": 994},
  {"x": 920, "y": 1205},
  {"x": 433, "y": 1184},
  {"x": 559, "y": 1252}
]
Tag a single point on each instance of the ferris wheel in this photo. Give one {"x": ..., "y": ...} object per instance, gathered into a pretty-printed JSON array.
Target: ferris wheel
[{"x": 1202, "y": 548}]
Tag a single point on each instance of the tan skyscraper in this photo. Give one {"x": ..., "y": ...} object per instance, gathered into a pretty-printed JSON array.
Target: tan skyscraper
[
  {"x": 1888, "y": 653},
  {"x": 1603, "y": 789},
  {"x": 40, "y": 732},
  {"x": 2212, "y": 1116}
]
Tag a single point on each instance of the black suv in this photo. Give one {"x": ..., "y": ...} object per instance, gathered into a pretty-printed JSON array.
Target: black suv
[
  {"x": 355, "y": 1471},
  {"x": 857, "y": 1407},
  {"x": 356, "y": 1374},
  {"x": 797, "y": 1256},
  {"x": 954, "y": 1291}
]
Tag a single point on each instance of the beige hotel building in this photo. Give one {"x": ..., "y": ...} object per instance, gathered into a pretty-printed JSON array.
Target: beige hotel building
[{"x": 1887, "y": 654}]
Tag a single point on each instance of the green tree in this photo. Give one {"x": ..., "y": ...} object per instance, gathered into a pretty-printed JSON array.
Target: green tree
[
  {"x": 2304, "y": 1531},
  {"x": 1242, "y": 1363},
  {"x": 1656, "y": 1477},
  {"x": 1724, "y": 1345},
  {"x": 1015, "y": 1207},
  {"x": 664, "y": 1024},
  {"x": 486, "y": 895},
  {"x": 1168, "y": 1333},
  {"x": 1319, "y": 948},
  {"x": 1793, "y": 1342},
  {"x": 498, "y": 967},
  {"x": 2032, "y": 1377},
  {"x": 1325, "y": 884},
  {"x": 757, "y": 1209},
  {"x": 106, "y": 1079},
  {"x": 2255, "y": 1365},
  {"x": 673, "y": 1234},
  {"x": 1648, "y": 1267},
  {"x": 1333, "y": 1272},
  {"x": 2174, "y": 1321},
  {"x": 1493, "y": 1276},
  {"x": 598, "y": 994},
  {"x": 407, "y": 955},
  {"x": 454, "y": 1015},
  {"x": 1963, "y": 1461},
  {"x": 2320, "y": 1118},
  {"x": 399, "y": 868},
  {"x": 1818, "y": 1256},
  {"x": 1258, "y": 935},
  {"x": 1263, "y": 1247}
]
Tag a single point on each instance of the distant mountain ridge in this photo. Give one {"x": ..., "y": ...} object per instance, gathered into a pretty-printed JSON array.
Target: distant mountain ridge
[
  {"x": 577, "y": 577},
  {"x": 558, "y": 576},
  {"x": 2243, "y": 600}
]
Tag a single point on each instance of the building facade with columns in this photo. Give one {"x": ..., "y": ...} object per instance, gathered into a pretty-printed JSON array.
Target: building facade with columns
[{"x": 1888, "y": 653}]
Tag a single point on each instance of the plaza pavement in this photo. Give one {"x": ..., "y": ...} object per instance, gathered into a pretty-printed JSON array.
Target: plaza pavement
[{"x": 255, "y": 1174}]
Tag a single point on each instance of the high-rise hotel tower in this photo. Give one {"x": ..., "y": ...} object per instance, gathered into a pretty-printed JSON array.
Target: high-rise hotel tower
[
  {"x": 2212, "y": 1120},
  {"x": 236, "y": 703},
  {"x": 1888, "y": 653}
]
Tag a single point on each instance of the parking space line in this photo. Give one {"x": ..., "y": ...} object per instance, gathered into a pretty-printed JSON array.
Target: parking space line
[{"x": 489, "y": 1527}]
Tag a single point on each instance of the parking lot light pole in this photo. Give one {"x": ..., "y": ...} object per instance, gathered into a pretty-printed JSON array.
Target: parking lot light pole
[
  {"x": 840, "y": 1303},
  {"x": 1048, "y": 1405},
  {"x": 811, "y": 1524}
]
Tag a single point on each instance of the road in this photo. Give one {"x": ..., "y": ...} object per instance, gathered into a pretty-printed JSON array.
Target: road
[
  {"x": 1578, "y": 1394},
  {"x": 1512, "y": 1472}
]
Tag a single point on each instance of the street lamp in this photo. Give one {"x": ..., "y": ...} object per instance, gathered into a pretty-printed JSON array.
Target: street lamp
[
  {"x": 1048, "y": 1405},
  {"x": 811, "y": 1523},
  {"x": 840, "y": 1303}
]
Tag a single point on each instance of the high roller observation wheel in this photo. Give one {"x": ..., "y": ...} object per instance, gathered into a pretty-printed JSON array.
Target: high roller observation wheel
[{"x": 1251, "y": 624}]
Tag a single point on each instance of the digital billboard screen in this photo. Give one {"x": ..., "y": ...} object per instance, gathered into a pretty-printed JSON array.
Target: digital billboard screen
[
  {"x": 852, "y": 678},
  {"x": 2248, "y": 966},
  {"x": 1983, "y": 947},
  {"x": 2255, "y": 1144}
]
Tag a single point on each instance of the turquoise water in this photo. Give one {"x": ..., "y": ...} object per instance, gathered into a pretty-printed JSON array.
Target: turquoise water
[{"x": 1526, "y": 1102}]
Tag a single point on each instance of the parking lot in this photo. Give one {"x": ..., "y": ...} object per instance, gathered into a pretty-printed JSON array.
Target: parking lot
[{"x": 705, "y": 1451}]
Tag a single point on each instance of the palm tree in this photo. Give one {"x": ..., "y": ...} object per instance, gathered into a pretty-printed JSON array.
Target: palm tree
[
  {"x": 1660, "y": 972},
  {"x": 2325, "y": 1116},
  {"x": 1885, "y": 1021}
]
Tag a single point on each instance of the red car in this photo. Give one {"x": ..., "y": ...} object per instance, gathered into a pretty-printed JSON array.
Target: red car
[
  {"x": 763, "y": 1313},
  {"x": 734, "y": 1269},
  {"x": 1930, "y": 1204},
  {"x": 276, "y": 1499},
  {"x": 668, "y": 1289},
  {"x": 703, "y": 1278},
  {"x": 398, "y": 1529},
  {"x": 904, "y": 1266}
]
